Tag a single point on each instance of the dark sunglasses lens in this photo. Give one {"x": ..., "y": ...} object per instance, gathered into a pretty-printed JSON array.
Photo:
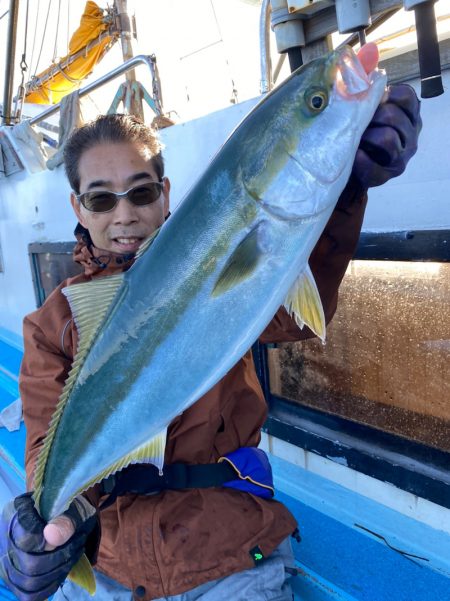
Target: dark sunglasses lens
[
  {"x": 99, "y": 202},
  {"x": 145, "y": 194}
]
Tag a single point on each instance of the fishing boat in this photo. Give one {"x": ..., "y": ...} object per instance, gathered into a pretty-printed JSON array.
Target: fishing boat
[{"x": 358, "y": 431}]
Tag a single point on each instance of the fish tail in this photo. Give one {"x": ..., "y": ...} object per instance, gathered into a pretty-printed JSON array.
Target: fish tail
[{"x": 82, "y": 574}]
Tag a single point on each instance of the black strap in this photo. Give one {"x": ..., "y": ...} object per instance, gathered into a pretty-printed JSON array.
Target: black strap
[{"x": 143, "y": 479}]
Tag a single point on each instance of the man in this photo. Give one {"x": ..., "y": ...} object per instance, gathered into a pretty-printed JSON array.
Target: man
[{"x": 190, "y": 544}]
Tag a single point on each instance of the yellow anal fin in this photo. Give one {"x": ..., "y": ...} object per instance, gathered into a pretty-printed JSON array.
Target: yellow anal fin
[
  {"x": 240, "y": 265},
  {"x": 304, "y": 304},
  {"x": 150, "y": 452},
  {"x": 82, "y": 574}
]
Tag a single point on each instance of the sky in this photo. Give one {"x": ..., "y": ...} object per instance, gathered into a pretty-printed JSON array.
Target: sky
[{"x": 207, "y": 50}]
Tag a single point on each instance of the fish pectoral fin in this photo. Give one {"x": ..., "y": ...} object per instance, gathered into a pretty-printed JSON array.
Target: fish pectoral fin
[
  {"x": 304, "y": 304},
  {"x": 82, "y": 574},
  {"x": 240, "y": 265}
]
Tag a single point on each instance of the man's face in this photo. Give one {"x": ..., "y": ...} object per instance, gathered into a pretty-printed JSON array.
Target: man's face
[{"x": 117, "y": 167}]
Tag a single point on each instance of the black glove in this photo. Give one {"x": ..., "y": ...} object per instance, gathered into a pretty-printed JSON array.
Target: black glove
[
  {"x": 29, "y": 571},
  {"x": 390, "y": 140}
]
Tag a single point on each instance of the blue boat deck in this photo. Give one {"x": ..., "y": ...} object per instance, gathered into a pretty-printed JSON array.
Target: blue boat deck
[
  {"x": 356, "y": 549},
  {"x": 12, "y": 444},
  {"x": 352, "y": 548}
]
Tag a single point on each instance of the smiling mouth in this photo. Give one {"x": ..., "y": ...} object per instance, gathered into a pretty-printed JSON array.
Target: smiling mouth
[
  {"x": 128, "y": 244},
  {"x": 131, "y": 240}
]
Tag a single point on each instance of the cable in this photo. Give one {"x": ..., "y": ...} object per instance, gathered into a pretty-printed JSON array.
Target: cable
[
  {"x": 234, "y": 96},
  {"x": 26, "y": 36},
  {"x": 43, "y": 35},
  {"x": 34, "y": 37},
  {"x": 55, "y": 48},
  {"x": 68, "y": 26}
]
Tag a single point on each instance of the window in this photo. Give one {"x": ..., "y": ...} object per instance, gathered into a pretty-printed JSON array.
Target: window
[
  {"x": 376, "y": 396},
  {"x": 386, "y": 362},
  {"x": 51, "y": 263}
]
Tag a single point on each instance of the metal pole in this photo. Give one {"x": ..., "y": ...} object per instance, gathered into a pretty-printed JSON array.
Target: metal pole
[
  {"x": 126, "y": 39},
  {"x": 137, "y": 60},
  {"x": 266, "y": 83},
  {"x": 7, "y": 118}
]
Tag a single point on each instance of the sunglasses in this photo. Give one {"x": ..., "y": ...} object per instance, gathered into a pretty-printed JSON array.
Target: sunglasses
[{"x": 102, "y": 201}]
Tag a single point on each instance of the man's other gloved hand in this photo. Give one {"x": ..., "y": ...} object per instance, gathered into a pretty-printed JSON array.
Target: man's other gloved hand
[
  {"x": 390, "y": 139},
  {"x": 32, "y": 568}
]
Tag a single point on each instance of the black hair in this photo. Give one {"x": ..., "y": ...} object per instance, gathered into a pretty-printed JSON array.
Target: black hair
[{"x": 113, "y": 129}]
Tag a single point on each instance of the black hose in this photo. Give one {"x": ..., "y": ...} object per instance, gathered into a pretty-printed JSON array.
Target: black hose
[{"x": 428, "y": 48}]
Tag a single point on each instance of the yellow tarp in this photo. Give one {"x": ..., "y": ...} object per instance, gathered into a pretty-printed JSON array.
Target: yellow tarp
[{"x": 64, "y": 82}]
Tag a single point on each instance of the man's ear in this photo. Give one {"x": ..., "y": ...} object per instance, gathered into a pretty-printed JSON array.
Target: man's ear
[
  {"x": 166, "y": 192},
  {"x": 76, "y": 208}
]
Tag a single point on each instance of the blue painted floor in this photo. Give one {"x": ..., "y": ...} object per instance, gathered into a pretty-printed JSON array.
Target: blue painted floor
[
  {"x": 340, "y": 560},
  {"x": 352, "y": 548}
]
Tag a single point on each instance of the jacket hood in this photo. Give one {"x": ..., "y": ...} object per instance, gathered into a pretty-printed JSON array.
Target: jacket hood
[{"x": 94, "y": 260}]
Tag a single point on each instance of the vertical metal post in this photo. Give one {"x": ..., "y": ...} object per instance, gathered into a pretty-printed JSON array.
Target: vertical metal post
[
  {"x": 264, "y": 48},
  {"x": 7, "y": 118},
  {"x": 126, "y": 39}
]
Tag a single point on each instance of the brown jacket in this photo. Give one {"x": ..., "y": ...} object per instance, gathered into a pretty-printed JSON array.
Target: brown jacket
[{"x": 176, "y": 540}]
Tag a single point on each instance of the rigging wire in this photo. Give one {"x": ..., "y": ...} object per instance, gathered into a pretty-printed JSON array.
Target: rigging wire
[
  {"x": 234, "y": 93},
  {"x": 34, "y": 36},
  {"x": 24, "y": 55},
  {"x": 55, "y": 48},
  {"x": 23, "y": 68},
  {"x": 68, "y": 26},
  {"x": 43, "y": 36}
]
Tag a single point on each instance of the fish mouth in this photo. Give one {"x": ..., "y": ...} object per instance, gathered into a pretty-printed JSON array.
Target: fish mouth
[{"x": 352, "y": 81}]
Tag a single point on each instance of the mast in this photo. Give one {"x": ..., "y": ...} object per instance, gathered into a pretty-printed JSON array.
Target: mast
[
  {"x": 7, "y": 118},
  {"x": 126, "y": 39}
]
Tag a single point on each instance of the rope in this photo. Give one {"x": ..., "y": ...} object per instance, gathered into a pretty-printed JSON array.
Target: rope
[
  {"x": 57, "y": 32},
  {"x": 68, "y": 26},
  {"x": 43, "y": 35},
  {"x": 35, "y": 30},
  {"x": 23, "y": 64},
  {"x": 234, "y": 99}
]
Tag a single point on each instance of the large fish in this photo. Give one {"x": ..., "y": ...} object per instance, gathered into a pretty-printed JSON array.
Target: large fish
[{"x": 155, "y": 339}]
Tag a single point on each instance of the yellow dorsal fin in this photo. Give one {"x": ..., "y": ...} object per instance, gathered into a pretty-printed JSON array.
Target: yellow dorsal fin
[
  {"x": 147, "y": 243},
  {"x": 90, "y": 303},
  {"x": 83, "y": 575},
  {"x": 150, "y": 452},
  {"x": 304, "y": 304}
]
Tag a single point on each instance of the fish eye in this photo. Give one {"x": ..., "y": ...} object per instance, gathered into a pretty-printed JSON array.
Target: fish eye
[{"x": 316, "y": 100}]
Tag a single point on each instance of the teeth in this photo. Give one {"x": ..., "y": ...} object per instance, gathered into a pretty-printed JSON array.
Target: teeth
[{"x": 127, "y": 240}]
